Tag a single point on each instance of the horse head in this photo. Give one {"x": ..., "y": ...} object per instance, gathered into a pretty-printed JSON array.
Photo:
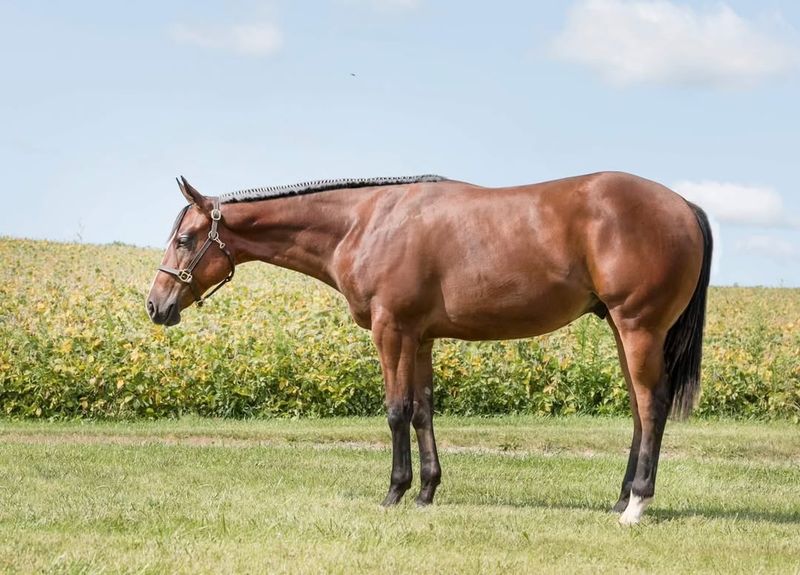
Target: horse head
[{"x": 189, "y": 268}]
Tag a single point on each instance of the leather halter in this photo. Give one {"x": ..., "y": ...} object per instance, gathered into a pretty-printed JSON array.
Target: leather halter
[{"x": 185, "y": 275}]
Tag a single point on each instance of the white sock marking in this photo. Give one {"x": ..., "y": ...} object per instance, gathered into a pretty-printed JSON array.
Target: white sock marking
[{"x": 634, "y": 510}]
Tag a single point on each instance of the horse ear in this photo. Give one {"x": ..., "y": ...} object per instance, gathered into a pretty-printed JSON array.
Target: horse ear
[{"x": 193, "y": 196}]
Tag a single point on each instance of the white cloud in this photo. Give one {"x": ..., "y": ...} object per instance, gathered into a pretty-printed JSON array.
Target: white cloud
[
  {"x": 719, "y": 246},
  {"x": 770, "y": 246},
  {"x": 256, "y": 39},
  {"x": 736, "y": 203},
  {"x": 662, "y": 42}
]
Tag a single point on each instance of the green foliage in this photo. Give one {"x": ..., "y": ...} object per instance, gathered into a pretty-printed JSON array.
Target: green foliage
[{"x": 78, "y": 343}]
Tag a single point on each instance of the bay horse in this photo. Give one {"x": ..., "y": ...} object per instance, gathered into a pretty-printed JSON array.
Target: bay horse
[{"x": 426, "y": 257}]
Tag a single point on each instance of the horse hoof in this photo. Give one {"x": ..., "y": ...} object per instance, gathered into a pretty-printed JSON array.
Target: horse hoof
[
  {"x": 620, "y": 506},
  {"x": 628, "y": 521},
  {"x": 392, "y": 498},
  {"x": 634, "y": 510}
]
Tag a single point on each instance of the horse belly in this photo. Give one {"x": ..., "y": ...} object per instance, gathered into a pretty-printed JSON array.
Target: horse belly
[{"x": 509, "y": 309}]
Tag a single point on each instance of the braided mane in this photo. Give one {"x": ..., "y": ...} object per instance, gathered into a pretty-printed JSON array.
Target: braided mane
[{"x": 271, "y": 192}]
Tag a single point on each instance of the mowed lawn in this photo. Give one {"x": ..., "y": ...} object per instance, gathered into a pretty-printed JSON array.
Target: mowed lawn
[{"x": 519, "y": 495}]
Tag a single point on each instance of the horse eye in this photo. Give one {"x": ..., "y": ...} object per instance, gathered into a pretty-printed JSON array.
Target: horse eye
[{"x": 184, "y": 241}]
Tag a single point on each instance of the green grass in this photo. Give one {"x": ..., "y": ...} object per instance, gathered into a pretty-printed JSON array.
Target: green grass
[{"x": 520, "y": 494}]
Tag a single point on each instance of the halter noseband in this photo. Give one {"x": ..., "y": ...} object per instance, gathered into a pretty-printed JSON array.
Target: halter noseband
[{"x": 185, "y": 275}]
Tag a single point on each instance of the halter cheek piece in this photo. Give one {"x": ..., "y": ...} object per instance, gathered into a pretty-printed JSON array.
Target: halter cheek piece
[{"x": 185, "y": 275}]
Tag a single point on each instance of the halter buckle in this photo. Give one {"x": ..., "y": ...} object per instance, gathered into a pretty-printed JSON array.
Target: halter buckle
[
  {"x": 185, "y": 276},
  {"x": 216, "y": 214}
]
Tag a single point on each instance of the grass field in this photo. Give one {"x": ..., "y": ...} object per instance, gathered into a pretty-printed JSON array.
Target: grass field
[{"x": 520, "y": 495}]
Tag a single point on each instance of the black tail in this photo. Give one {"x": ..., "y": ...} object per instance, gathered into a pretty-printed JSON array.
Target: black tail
[{"x": 683, "y": 349}]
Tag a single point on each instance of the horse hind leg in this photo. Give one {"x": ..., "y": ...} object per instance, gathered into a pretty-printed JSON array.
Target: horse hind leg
[
  {"x": 633, "y": 455},
  {"x": 644, "y": 356}
]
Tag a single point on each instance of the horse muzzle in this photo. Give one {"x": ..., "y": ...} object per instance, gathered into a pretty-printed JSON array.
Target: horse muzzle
[{"x": 169, "y": 314}]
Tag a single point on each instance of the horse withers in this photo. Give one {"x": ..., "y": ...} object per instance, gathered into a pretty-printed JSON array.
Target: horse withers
[{"x": 425, "y": 257}]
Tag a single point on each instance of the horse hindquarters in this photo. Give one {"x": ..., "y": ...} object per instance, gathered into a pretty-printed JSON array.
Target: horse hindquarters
[{"x": 663, "y": 374}]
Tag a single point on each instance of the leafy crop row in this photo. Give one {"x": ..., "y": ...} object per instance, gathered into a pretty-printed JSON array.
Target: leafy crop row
[{"x": 76, "y": 342}]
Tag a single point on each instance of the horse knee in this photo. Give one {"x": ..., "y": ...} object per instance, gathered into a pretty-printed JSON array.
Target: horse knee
[
  {"x": 421, "y": 418},
  {"x": 399, "y": 415}
]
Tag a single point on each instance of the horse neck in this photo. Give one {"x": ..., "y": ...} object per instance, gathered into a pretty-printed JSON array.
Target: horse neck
[{"x": 300, "y": 233}]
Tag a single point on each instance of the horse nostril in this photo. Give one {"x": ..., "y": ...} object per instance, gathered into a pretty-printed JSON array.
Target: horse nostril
[{"x": 151, "y": 309}]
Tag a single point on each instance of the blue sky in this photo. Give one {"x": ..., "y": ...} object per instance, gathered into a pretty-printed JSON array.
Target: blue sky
[{"x": 104, "y": 103}]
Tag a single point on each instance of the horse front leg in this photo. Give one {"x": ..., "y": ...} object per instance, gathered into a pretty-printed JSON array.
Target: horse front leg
[
  {"x": 398, "y": 351},
  {"x": 430, "y": 471}
]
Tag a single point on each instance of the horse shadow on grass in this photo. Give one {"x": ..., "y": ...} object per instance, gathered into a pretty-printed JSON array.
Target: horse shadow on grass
[
  {"x": 655, "y": 514},
  {"x": 740, "y": 514}
]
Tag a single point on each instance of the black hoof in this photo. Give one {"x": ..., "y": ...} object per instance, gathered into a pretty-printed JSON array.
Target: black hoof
[
  {"x": 620, "y": 505},
  {"x": 393, "y": 497},
  {"x": 425, "y": 496}
]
